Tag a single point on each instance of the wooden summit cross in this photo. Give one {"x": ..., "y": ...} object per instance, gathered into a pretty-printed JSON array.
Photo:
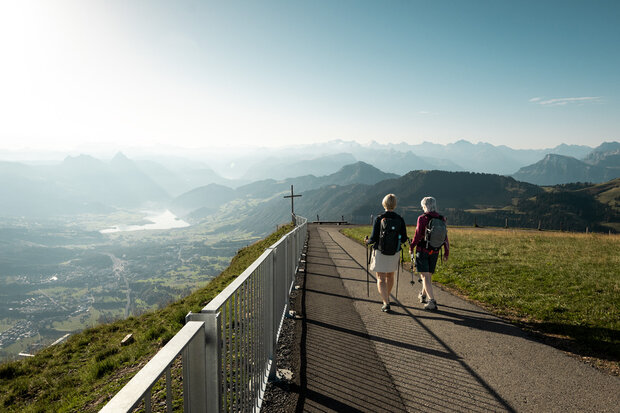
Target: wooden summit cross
[{"x": 292, "y": 196}]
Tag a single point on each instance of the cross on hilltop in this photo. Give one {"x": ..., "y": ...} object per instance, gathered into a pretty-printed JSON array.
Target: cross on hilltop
[{"x": 292, "y": 196}]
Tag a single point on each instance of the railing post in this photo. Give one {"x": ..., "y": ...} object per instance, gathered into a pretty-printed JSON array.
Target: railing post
[
  {"x": 271, "y": 312},
  {"x": 293, "y": 256},
  {"x": 287, "y": 270},
  {"x": 202, "y": 376},
  {"x": 194, "y": 372},
  {"x": 213, "y": 326}
]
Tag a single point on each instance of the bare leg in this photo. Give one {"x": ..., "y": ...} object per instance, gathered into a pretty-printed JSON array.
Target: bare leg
[
  {"x": 390, "y": 283},
  {"x": 382, "y": 286},
  {"x": 427, "y": 285}
]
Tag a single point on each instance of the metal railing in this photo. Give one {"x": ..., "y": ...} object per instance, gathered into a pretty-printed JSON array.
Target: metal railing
[{"x": 228, "y": 348}]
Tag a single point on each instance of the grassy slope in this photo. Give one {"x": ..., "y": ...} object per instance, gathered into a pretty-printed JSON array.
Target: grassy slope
[
  {"x": 86, "y": 371},
  {"x": 565, "y": 285}
]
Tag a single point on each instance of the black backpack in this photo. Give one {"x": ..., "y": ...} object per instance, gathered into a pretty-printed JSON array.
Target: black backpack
[
  {"x": 389, "y": 236},
  {"x": 436, "y": 233}
]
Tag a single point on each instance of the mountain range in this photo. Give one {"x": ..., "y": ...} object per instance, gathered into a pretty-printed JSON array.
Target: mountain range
[
  {"x": 80, "y": 184},
  {"x": 394, "y": 158},
  {"x": 465, "y": 198},
  {"x": 600, "y": 165},
  {"x": 193, "y": 190},
  {"x": 325, "y": 158},
  {"x": 203, "y": 201}
]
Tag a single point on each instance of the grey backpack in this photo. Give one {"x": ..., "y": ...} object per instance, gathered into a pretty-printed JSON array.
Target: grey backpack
[{"x": 436, "y": 233}]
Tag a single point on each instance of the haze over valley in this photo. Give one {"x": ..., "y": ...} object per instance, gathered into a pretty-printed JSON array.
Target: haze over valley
[{"x": 88, "y": 240}]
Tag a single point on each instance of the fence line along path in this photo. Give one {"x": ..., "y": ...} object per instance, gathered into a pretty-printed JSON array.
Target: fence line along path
[{"x": 228, "y": 348}]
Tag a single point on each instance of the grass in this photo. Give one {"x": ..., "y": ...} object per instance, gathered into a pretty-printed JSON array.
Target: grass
[
  {"x": 86, "y": 371},
  {"x": 563, "y": 285}
]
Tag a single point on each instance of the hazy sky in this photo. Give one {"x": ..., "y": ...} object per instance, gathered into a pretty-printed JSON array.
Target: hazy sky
[{"x": 527, "y": 74}]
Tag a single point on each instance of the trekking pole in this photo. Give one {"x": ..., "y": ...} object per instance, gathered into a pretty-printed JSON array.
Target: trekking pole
[
  {"x": 367, "y": 273},
  {"x": 398, "y": 272},
  {"x": 412, "y": 266},
  {"x": 368, "y": 258}
]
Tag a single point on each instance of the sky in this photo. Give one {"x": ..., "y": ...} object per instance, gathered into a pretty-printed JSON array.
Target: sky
[{"x": 201, "y": 74}]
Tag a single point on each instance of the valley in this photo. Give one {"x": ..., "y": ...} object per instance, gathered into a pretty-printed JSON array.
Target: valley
[
  {"x": 60, "y": 276},
  {"x": 88, "y": 241}
]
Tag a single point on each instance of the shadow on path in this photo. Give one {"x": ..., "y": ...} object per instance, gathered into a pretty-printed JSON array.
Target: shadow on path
[
  {"x": 340, "y": 370},
  {"x": 426, "y": 353},
  {"x": 355, "y": 358}
]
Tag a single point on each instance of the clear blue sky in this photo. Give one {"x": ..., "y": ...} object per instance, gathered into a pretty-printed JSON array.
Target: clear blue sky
[{"x": 527, "y": 74}]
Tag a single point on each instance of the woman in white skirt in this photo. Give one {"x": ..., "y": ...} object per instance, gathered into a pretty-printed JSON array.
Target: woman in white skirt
[{"x": 386, "y": 264}]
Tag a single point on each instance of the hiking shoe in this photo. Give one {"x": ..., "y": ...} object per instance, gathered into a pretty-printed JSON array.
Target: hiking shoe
[
  {"x": 431, "y": 305},
  {"x": 385, "y": 308},
  {"x": 422, "y": 297}
]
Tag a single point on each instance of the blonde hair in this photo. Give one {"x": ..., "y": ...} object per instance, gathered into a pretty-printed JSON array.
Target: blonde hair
[
  {"x": 429, "y": 204},
  {"x": 389, "y": 202}
]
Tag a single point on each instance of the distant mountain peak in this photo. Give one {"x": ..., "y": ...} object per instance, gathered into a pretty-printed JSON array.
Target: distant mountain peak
[
  {"x": 80, "y": 157},
  {"x": 123, "y": 162},
  {"x": 461, "y": 141},
  {"x": 605, "y": 155},
  {"x": 120, "y": 157},
  {"x": 358, "y": 165},
  {"x": 560, "y": 169},
  {"x": 608, "y": 147},
  {"x": 81, "y": 160},
  {"x": 555, "y": 157}
]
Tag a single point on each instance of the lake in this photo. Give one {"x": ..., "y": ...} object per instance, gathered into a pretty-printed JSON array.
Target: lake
[{"x": 159, "y": 220}]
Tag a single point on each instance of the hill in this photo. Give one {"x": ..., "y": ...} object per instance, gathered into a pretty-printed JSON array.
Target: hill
[
  {"x": 600, "y": 165},
  {"x": 83, "y": 373},
  {"x": 207, "y": 198},
  {"x": 276, "y": 167},
  {"x": 179, "y": 175},
  {"x": 557, "y": 169},
  {"x": 464, "y": 198},
  {"x": 607, "y": 193},
  {"x": 256, "y": 193},
  {"x": 607, "y": 155},
  {"x": 80, "y": 184},
  {"x": 29, "y": 191},
  {"x": 357, "y": 172}
]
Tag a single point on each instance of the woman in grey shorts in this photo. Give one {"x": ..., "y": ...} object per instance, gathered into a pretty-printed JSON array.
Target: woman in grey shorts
[
  {"x": 386, "y": 265},
  {"x": 425, "y": 257}
]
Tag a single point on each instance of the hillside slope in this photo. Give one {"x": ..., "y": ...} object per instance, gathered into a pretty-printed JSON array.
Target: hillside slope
[
  {"x": 83, "y": 373},
  {"x": 464, "y": 198},
  {"x": 253, "y": 197},
  {"x": 558, "y": 169}
]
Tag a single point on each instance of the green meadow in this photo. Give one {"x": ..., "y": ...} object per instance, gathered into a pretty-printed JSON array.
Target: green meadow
[{"x": 564, "y": 286}]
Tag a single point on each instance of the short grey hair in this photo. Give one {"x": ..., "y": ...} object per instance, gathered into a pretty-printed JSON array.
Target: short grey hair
[
  {"x": 389, "y": 202},
  {"x": 429, "y": 204}
]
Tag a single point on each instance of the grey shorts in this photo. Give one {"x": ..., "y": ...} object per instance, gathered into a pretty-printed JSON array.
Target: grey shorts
[{"x": 425, "y": 262}]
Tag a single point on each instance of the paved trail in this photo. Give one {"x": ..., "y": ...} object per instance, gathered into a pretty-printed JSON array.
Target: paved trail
[{"x": 459, "y": 358}]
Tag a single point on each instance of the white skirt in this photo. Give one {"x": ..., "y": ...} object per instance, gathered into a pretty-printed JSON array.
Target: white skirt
[{"x": 383, "y": 263}]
